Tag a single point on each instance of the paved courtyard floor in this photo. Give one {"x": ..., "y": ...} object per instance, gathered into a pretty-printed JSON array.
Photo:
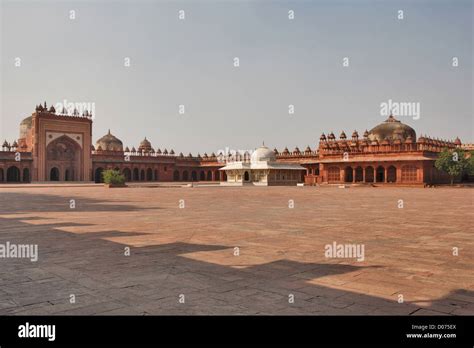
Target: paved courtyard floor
[{"x": 247, "y": 250}]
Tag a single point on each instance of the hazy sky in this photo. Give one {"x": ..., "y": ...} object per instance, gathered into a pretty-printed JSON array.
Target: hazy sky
[{"x": 282, "y": 62}]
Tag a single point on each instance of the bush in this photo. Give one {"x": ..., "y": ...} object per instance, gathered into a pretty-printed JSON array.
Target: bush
[{"x": 113, "y": 177}]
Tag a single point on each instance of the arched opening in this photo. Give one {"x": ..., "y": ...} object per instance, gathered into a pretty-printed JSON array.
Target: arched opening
[
  {"x": 142, "y": 175},
  {"x": 26, "y": 175},
  {"x": 391, "y": 174},
  {"x": 334, "y": 174},
  {"x": 348, "y": 174},
  {"x": 127, "y": 173},
  {"x": 98, "y": 175},
  {"x": 246, "y": 176},
  {"x": 409, "y": 174},
  {"x": 149, "y": 174},
  {"x": 185, "y": 175},
  {"x": 359, "y": 174},
  {"x": 136, "y": 174},
  {"x": 209, "y": 176},
  {"x": 176, "y": 175},
  {"x": 64, "y": 153},
  {"x": 202, "y": 176},
  {"x": 194, "y": 175},
  {"x": 380, "y": 174},
  {"x": 2, "y": 179},
  {"x": 156, "y": 175},
  {"x": 13, "y": 174},
  {"x": 369, "y": 174},
  {"x": 216, "y": 175}
]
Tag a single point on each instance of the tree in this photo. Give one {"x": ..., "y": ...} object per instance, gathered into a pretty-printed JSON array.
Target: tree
[
  {"x": 454, "y": 162},
  {"x": 113, "y": 177}
]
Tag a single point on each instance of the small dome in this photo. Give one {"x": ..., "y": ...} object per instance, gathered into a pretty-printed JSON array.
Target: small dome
[
  {"x": 322, "y": 137},
  {"x": 263, "y": 154},
  {"x": 391, "y": 129},
  {"x": 355, "y": 134},
  {"x": 457, "y": 141},
  {"x": 25, "y": 126},
  {"x": 109, "y": 143},
  {"x": 127, "y": 149},
  {"x": 343, "y": 135},
  {"x": 172, "y": 152},
  {"x": 145, "y": 146}
]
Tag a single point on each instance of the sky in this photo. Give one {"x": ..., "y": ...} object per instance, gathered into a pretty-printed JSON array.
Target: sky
[{"x": 282, "y": 62}]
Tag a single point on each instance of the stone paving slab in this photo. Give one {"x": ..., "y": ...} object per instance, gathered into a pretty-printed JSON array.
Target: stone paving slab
[{"x": 185, "y": 261}]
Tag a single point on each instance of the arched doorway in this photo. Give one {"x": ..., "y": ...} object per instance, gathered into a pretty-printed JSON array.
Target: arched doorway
[
  {"x": 369, "y": 174},
  {"x": 2, "y": 179},
  {"x": 98, "y": 175},
  {"x": 359, "y": 174},
  {"x": 216, "y": 175},
  {"x": 54, "y": 174},
  {"x": 142, "y": 175},
  {"x": 26, "y": 175},
  {"x": 391, "y": 174},
  {"x": 13, "y": 174},
  {"x": 127, "y": 174},
  {"x": 185, "y": 175},
  {"x": 149, "y": 174},
  {"x": 380, "y": 174},
  {"x": 136, "y": 175},
  {"x": 67, "y": 175},
  {"x": 348, "y": 174},
  {"x": 202, "y": 176},
  {"x": 194, "y": 175},
  {"x": 209, "y": 176},
  {"x": 65, "y": 154},
  {"x": 176, "y": 175},
  {"x": 156, "y": 175},
  {"x": 246, "y": 176}
]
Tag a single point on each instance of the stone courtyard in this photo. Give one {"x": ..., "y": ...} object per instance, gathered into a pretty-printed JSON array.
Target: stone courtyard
[{"x": 237, "y": 250}]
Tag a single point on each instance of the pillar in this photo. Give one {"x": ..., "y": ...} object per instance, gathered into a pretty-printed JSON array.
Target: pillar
[
  {"x": 385, "y": 174},
  {"x": 353, "y": 175}
]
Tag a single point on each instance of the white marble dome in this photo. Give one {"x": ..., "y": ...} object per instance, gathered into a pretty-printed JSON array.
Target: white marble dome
[{"x": 263, "y": 154}]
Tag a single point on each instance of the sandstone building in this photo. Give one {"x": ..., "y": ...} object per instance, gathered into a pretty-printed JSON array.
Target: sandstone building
[{"x": 56, "y": 146}]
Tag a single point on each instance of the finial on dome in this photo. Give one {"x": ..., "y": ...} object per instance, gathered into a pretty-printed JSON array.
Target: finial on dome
[{"x": 109, "y": 132}]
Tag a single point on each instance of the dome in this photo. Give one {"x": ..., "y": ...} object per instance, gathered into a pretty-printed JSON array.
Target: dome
[
  {"x": 25, "y": 126},
  {"x": 109, "y": 143},
  {"x": 263, "y": 154},
  {"x": 145, "y": 146},
  {"x": 391, "y": 129}
]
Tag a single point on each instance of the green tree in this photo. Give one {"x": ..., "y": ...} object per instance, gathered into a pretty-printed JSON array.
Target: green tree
[
  {"x": 113, "y": 177},
  {"x": 454, "y": 162}
]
